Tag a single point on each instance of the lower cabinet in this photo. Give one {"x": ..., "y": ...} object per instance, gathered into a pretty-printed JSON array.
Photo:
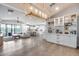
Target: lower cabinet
[
  {"x": 61, "y": 39},
  {"x": 71, "y": 41},
  {"x": 53, "y": 39},
  {"x": 66, "y": 40}
]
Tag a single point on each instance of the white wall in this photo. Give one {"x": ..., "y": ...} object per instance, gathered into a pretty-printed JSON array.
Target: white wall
[{"x": 6, "y": 16}]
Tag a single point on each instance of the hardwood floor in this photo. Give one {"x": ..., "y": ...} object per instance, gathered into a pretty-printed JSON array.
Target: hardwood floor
[{"x": 35, "y": 46}]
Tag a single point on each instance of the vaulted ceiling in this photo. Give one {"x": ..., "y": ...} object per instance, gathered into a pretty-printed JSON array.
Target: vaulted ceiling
[{"x": 48, "y": 9}]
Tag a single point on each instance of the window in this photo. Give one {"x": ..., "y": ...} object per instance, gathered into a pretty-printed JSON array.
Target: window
[
  {"x": 8, "y": 30},
  {"x": 3, "y": 28},
  {"x": 17, "y": 29}
]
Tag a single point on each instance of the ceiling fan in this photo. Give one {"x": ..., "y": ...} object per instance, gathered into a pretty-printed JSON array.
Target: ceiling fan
[{"x": 32, "y": 14}]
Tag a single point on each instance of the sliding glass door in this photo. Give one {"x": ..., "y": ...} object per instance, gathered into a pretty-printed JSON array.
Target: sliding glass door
[
  {"x": 8, "y": 30},
  {"x": 17, "y": 29}
]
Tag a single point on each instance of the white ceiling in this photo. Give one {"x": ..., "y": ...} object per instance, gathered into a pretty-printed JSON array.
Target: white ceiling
[{"x": 44, "y": 7}]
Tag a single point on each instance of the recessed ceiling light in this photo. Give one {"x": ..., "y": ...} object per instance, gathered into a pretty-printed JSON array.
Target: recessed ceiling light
[
  {"x": 57, "y": 8},
  {"x": 31, "y": 7},
  {"x": 45, "y": 16},
  {"x": 40, "y": 13},
  {"x": 36, "y": 11}
]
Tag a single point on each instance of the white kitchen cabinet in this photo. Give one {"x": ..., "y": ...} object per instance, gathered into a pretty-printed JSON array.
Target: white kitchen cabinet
[
  {"x": 73, "y": 41},
  {"x": 61, "y": 39},
  {"x": 63, "y": 35},
  {"x": 67, "y": 19},
  {"x": 67, "y": 40},
  {"x": 56, "y": 21},
  {"x": 61, "y": 21},
  {"x": 51, "y": 38}
]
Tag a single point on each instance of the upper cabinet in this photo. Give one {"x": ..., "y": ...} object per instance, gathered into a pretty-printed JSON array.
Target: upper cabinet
[
  {"x": 59, "y": 21},
  {"x": 63, "y": 25},
  {"x": 56, "y": 21},
  {"x": 67, "y": 19}
]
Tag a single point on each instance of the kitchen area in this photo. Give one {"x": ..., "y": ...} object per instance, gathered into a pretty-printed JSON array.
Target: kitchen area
[{"x": 63, "y": 30}]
